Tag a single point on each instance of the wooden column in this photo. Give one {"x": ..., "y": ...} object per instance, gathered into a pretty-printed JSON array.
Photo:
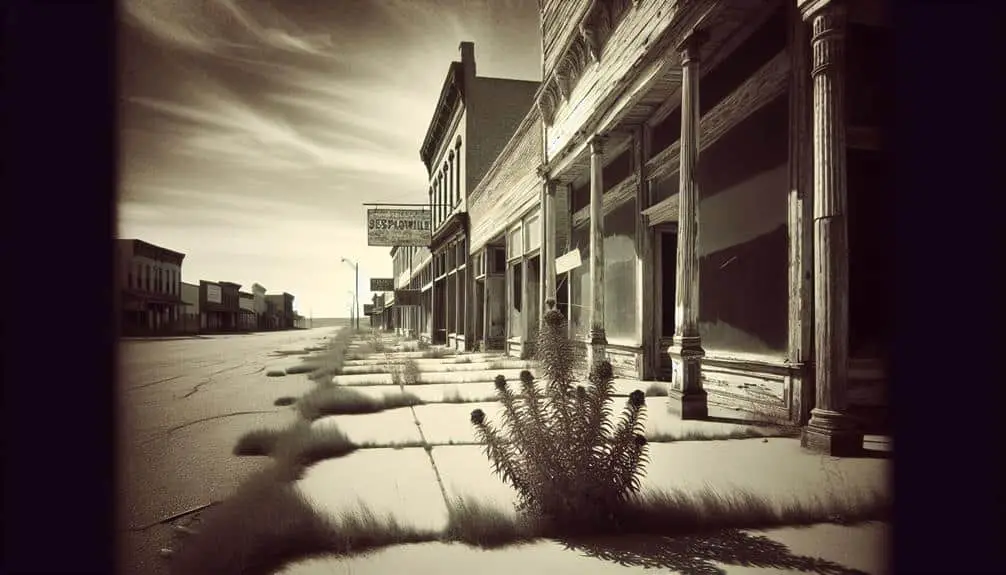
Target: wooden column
[
  {"x": 598, "y": 340},
  {"x": 644, "y": 257},
  {"x": 830, "y": 430},
  {"x": 686, "y": 350},
  {"x": 548, "y": 231},
  {"x": 800, "y": 349}
]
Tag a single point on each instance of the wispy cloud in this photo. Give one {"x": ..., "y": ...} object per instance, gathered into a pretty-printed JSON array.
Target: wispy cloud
[{"x": 253, "y": 131}]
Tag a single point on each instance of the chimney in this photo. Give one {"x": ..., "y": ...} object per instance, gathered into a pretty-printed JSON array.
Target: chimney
[{"x": 468, "y": 57}]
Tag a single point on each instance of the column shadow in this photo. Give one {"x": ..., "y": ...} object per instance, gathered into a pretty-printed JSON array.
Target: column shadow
[{"x": 699, "y": 554}]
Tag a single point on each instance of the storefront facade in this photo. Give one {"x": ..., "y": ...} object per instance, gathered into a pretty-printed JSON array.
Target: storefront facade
[
  {"x": 716, "y": 157},
  {"x": 474, "y": 119}
]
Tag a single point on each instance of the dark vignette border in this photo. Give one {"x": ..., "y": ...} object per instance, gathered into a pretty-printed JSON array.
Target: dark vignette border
[{"x": 59, "y": 334}]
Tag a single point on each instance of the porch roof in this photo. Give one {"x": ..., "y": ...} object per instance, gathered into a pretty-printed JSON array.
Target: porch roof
[{"x": 652, "y": 88}]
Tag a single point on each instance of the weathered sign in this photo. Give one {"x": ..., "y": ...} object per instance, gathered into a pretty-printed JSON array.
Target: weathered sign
[
  {"x": 391, "y": 228},
  {"x": 214, "y": 293},
  {"x": 408, "y": 297},
  {"x": 568, "y": 261},
  {"x": 382, "y": 284},
  {"x": 368, "y": 309}
]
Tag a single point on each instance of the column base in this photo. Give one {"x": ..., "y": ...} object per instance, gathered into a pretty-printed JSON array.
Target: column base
[
  {"x": 832, "y": 433},
  {"x": 596, "y": 349},
  {"x": 692, "y": 405}
]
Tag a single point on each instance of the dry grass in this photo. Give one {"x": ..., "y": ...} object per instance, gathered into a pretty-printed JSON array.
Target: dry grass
[
  {"x": 337, "y": 400},
  {"x": 438, "y": 353},
  {"x": 673, "y": 513},
  {"x": 285, "y": 401},
  {"x": 263, "y": 526},
  {"x": 296, "y": 447},
  {"x": 656, "y": 390},
  {"x": 261, "y": 441},
  {"x": 483, "y": 525},
  {"x": 275, "y": 373},
  {"x": 285, "y": 353},
  {"x": 720, "y": 435},
  {"x": 679, "y": 512}
]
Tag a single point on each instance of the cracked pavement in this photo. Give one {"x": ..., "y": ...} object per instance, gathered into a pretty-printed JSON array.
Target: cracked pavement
[{"x": 182, "y": 406}]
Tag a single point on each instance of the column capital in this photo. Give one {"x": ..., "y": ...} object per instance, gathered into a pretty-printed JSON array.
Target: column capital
[
  {"x": 544, "y": 173},
  {"x": 812, "y": 8},
  {"x": 597, "y": 142},
  {"x": 691, "y": 43}
]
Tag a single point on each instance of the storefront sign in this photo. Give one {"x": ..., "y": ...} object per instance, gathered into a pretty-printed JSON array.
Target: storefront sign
[
  {"x": 394, "y": 228},
  {"x": 368, "y": 309},
  {"x": 568, "y": 261},
  {"x": 382, "y": 284},
  {"x": 408, "y": 297},
  {"x": 214, "y": 294}
]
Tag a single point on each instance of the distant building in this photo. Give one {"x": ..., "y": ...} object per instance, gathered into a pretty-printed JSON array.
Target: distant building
[
  {"x": 190, "y": 308},
  {"x": 258, "y": 293},
  {"x": 279, "y": 311},
  {"x": 247, "y": 319},
  {"x": 219, "y": 306},
  {"x": 149, "y": 281}
]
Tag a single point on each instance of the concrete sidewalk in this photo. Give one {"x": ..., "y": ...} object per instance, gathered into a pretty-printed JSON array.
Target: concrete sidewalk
[{"x": 412, "y": 485}]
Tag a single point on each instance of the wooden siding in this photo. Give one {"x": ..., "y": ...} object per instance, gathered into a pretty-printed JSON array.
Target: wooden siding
[
  {"x": 626, "y": 47},
  {"x": 559, "y": 21},
  {"x": 510, "y": 187},
  {"x": 562, "y": 220},
  {"x": 769, "y": 82}
]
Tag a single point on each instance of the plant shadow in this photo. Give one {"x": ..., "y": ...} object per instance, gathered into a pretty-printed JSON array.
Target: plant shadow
[{"x": 702, "y": 554}]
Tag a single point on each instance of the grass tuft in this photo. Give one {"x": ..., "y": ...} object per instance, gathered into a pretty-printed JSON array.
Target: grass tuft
[
  {"x": 720, "y": 435},
  {"x": 285, "y": 401},
  {"x": 338, "y": 400},
  {"x": 275, "y": 373},
  {"x": 302, "y": 446},
  {"x": 265, "y": 525},
  {"x": 484, "y": 525},
  {"x": 362, "y": 530},
  {"x": 261, "y": 441},
  {"x": 656, "y": 390},
  {"x": 438, "y": 353},
  {"x": 679, "y": 512}
]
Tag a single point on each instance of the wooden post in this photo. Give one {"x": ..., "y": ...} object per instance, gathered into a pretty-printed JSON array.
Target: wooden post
[
  {"x": 548, "y": 230},
  {"x": 686, "y": 350},
  {"x": 800, "y": 224},
  {"x": 598, "y": 341},
  {"x": 644, "y": 257},
  {"x": 830, "y": 429}
]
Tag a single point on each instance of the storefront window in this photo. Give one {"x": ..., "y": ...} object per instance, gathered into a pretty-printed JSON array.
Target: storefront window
[
  {"x": 579, "y": 284},
  {"x": 620, "y": 278},
  {"x": 743, "y": 238},
  {"x": 516, "y": 300},
  {"x": 533, "y": 279}
]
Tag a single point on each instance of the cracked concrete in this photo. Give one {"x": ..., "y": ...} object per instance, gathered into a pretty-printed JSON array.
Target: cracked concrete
[{"x": 184, "y": 403}]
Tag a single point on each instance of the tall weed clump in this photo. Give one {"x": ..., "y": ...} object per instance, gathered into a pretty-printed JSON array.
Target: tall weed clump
[{"x": 574, "y": 466}]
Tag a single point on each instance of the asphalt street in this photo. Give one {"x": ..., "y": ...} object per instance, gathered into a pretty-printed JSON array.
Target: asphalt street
[{"x": 183, "y": 403}]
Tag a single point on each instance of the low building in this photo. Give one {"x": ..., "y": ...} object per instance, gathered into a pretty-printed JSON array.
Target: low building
[
  {"x": 279, "y": 311},
  {"x": 247, "y": 319},
  {"x": 219, "y": 306},
  {"x": 149, "y": 281},
  {"x": 258, "y": 293},
  {"x": 190, "y": 313}
]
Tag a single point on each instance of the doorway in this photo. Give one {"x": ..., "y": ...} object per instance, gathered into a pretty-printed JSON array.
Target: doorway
[{"x": 665, "y": 295}]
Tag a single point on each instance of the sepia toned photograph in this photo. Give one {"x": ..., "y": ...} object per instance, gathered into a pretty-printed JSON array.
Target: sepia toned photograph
[{"x": 504, "y": 286}]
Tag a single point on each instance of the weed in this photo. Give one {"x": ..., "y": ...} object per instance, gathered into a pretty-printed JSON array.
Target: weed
[
  {"x": 261, "y": 441},
  {"x": 285, "y": 401},
  {"x": 275, "y": 373},
  {"x": 438, "y": 353},
  {"x": 337, "y": 400},
  {"x": 572, "y": 466}
]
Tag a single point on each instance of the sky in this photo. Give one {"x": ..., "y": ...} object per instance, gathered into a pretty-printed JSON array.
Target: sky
[{"x": 252, "y": 131}]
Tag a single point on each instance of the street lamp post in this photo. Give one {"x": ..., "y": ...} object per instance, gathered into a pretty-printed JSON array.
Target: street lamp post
[{"x": 356, "y": 290}]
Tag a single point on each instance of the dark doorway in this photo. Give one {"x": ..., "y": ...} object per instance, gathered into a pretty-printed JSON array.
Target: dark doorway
[
  {"x": 562, "y": 294},
  {"x": 667, "y": 276}
]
